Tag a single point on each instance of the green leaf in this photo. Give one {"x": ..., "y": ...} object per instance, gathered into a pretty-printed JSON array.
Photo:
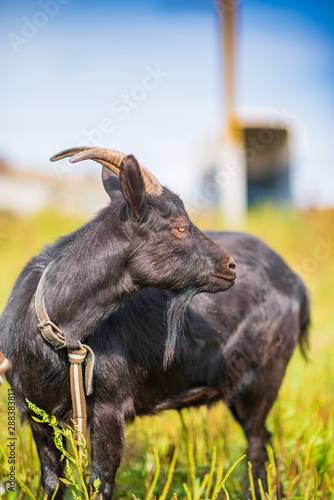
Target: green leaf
[
  {"x": 37, "y": 419},
  {"x": 97, "y": 484},
  {"x": 65, "y": 481}
]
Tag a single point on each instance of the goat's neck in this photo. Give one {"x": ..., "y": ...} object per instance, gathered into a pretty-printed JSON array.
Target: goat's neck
[{"x": 85, "y": 287}]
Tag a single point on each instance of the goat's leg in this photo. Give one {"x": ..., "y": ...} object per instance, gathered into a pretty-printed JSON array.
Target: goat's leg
[
  {"x": 251, "y": 410},
  {"x": 51, "y": 466},
  {"x": 107, "y": 436},
  {"x": 257, "y": 436}
]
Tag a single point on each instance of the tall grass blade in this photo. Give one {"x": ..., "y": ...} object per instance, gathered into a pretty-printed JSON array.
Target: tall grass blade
[
  {"x": 156, "y": 475},
  {"x": 221, "y": 485},
  {"x": 191, "y": 460},
  {"x": 269, "y": 483},
  {"x": 328, "y": 484},
  {"x": 226, "y": 492},
  {"x": 170, "y": 474},
  {"x": 212, "y": 470},
  {"x": 55, "y": 492},
  {"x": 202, "y": 486},
  {"x": 186, "y": 489},
  {"x": 251, "y": 481},
  {"x": 315, "y": 485},
  {"x": 218, "y": 478},
  {"x": 271, "y": 457},
  {"x": 261, "y": 489},
  {"x": 190, "y": 454},
  {"x": 2, "y": 450}
]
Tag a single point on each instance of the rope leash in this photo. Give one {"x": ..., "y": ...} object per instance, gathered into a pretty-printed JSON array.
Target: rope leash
[
  {"x": 76, "y": 359},
  {"x": 77, "y": 354}
]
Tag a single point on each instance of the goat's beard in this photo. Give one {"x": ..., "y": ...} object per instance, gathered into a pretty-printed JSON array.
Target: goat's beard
[{"x": 175, "y": 318}]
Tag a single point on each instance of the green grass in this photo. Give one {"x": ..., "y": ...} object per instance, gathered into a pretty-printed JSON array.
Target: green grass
[{"x": 302, "y": 419}]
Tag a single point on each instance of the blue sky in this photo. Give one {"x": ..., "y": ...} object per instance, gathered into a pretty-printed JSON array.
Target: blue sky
[{"x": 145, "y": 77}]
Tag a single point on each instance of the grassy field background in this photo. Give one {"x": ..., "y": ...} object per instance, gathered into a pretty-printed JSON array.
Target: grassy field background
[{"x": 302, "y": 420}]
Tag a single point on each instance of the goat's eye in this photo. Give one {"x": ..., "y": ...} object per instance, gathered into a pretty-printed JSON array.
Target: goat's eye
[{"x": 181, "y": 231}]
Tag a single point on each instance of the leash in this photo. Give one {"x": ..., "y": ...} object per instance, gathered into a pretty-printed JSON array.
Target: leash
[{"x": 77, "y": 354}]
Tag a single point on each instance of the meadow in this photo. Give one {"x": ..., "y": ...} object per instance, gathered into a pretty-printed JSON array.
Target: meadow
[{"x": 209, "y": 441}]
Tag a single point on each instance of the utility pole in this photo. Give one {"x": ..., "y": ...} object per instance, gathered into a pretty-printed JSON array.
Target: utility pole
[{"x": 231, "y": 154}]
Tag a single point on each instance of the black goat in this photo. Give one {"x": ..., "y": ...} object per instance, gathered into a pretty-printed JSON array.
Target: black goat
[
  {"x": 233, "y": 347},
  {"x": 144, "y": 238}
]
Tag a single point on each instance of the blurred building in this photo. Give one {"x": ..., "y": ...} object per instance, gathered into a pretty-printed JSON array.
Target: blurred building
[
  {"x": 251, "y": 161},
  {"x": 256, "y": 162},
  {"x": 24, "y": 192},
  {"x": 267, "y": 164}
]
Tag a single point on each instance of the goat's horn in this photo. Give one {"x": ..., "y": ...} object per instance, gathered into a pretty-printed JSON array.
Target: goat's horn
[
  {"x": 114, "y": 160},
  {"x": 111, "y": 159},
  {"x": 74, "y": 151}
]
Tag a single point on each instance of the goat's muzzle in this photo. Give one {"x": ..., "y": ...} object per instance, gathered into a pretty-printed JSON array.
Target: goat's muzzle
[{"x": 224, "y": 274}]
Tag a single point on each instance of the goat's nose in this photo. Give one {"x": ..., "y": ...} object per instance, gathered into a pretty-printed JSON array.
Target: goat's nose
[{"x": 231, "y": 263}]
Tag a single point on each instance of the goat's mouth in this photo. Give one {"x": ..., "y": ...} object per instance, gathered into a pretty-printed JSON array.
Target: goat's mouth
[{"x": 227, "y": 280}]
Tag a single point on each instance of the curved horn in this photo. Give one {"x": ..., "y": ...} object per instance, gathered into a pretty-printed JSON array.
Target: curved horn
[
  {"x": 66, "y": 153},
  {"x": 108, "y": 157},
  {"x": 111, "y": 159}
]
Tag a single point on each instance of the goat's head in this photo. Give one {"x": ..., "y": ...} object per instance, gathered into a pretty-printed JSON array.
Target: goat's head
[
  {"x": 167, "y": 250},
  {"x": 164, "y": 248}
]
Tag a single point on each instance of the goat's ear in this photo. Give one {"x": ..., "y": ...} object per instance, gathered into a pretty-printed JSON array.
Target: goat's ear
[
  {"x": 133, "y": 188},
  {"x": 110, "y": 181}
]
